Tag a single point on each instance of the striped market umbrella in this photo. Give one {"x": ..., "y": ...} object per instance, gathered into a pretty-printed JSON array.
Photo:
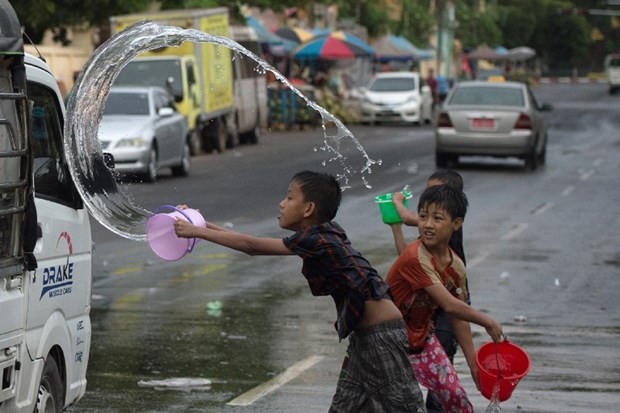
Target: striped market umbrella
[{"x": 334, "y": 46}]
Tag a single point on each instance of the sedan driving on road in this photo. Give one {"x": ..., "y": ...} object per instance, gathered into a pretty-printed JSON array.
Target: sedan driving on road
[
  {"x": 143, "y": 130},
  {"x": 501, "y": 119},
  {"x": 396, "y": 97}
]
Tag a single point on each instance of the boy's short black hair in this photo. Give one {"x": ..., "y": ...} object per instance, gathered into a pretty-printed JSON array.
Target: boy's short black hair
[
  {"x": 323, "y": 189},
  {"x": 445, "y": 196},
  {"x": 448, "y": 177}
]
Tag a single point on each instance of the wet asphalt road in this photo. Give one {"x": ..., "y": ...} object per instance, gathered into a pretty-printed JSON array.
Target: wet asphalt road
[{"x": 541, "y": 246}]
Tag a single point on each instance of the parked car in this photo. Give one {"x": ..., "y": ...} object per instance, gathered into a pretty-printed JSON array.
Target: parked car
[
  {"x": 396, "y": 97},
  {"x": 144, "y": 132},
  {"x": 501, "y": 119}
]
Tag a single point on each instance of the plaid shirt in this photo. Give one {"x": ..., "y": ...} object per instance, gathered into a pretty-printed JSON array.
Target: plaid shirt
[{"x": 333, "y": 267}]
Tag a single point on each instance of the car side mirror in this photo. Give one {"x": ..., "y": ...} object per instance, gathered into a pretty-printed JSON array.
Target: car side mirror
[
  {"x": 546, "y": 107},
  {"x": 108, "y": 160},
  {"x": 165, "y": 112}
]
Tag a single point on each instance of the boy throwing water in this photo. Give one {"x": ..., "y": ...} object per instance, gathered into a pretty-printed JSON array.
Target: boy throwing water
[{"x": 376, "y": 375}]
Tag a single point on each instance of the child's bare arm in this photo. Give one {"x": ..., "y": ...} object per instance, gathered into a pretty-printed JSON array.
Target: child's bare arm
[
  {"x": 399, "y": 238},
  {"x": 461, "y": 310},
  {"x": 241, "y": 242},
  {"x": 408, "y": 217}
]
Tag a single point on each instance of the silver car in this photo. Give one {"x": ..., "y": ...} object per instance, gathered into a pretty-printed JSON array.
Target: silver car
[
  {"x": 396, "y": 97},
  {"x": 143, "y": 130},
  {"x": 501, "y": 119}
]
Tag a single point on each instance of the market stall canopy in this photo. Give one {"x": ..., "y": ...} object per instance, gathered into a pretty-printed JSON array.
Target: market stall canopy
[
  {"x": 335, "y": 46},
  {"x": 295, "y": 34},
  {"x": 521, "y": 53},
  {"x": 421, "y": 54},
  {"x": 486, "y": 53},
  {"x": 386, "y": 50},
  {"x": 274, "y": 43}
]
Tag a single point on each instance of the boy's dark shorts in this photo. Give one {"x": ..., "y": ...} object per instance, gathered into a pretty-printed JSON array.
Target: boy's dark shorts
[{"x": 376, "y": 375}]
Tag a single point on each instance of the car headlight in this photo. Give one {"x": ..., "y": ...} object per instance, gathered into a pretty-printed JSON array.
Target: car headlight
[
  {"x": 412, "y": 99},
  {"x": 131, "y": 143}
]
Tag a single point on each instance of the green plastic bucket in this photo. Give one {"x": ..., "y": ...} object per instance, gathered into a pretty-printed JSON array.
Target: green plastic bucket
[{"x": 387, "y": 208}]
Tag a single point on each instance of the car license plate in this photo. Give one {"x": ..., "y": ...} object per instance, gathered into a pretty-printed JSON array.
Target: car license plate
[{"x": 483, "y": 123}]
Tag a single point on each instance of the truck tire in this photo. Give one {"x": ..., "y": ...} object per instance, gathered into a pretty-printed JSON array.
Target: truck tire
[
  {"x": 193, "y": 137},
  {"x": 214, "y": 136},
  {"x": 221, "y": 136},
  {"x": 50, "y": 397}
]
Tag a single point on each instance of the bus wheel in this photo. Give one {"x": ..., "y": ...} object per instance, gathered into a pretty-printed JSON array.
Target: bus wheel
[{"x": 50, "y": 395}]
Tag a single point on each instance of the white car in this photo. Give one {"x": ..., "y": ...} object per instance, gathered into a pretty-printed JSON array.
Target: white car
[
  {"x": 397, "y": 97},
  {"x": 144, "y": 132}
]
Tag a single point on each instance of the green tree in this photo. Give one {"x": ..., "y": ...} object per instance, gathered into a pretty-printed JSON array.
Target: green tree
[
  {"x": 38, "y": 16},
  {"x": 475, "y": 27}
]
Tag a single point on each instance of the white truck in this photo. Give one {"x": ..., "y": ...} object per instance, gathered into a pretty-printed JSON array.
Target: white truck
[{"x": 45, "y": 240}]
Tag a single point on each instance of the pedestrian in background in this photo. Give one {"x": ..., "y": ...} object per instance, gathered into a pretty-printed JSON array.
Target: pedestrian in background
[
  {"x": 376, "y": 375},
  {"x": 428, "y": 275},
  {"x": 432, "y": 83}
]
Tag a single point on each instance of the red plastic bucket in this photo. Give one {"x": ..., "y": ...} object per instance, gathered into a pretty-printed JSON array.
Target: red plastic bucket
[
  {"x": 504, "y": 363},
  {"x": 161, "y": 236}
]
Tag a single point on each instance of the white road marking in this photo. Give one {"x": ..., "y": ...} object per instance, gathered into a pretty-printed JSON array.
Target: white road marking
[
  {"x": 477, "y": 259},
  {"x": 585, "y": 175},
  {"x": 568, "y": 190},
  {"x": 516, "y": 230},
  {"x": 278, "y": 381},
  {"x": 543, "y": 208}
]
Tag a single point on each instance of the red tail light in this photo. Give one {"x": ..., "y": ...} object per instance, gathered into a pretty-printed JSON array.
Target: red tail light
[
  {"x": 524, "y": 122},
  {"x": 443, "y": 120}
]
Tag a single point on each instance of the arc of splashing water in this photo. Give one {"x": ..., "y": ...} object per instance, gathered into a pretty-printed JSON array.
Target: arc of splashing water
[{"x": 105, "y": 200}]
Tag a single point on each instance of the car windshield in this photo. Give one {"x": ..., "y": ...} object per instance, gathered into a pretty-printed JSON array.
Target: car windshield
[
  {"x": 127, "y": 103},
  {"x": 393, "y": 84},
  {"x": 485, "y": 96},
  {"x": 152, "y": 73},
  {"x": 614, "y": 62}
]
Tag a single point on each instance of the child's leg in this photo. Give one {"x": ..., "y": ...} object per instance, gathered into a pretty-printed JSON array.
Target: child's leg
[
  {"x": 445, "y": 335},
  {"x": 433, "y": 370},
  {"x": 377, "y": 377}
]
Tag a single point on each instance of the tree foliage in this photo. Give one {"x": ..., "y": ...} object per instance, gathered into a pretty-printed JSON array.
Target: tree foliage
[
  {"x": 560, "y": 38},
  {"x": 38, "y": 16}
]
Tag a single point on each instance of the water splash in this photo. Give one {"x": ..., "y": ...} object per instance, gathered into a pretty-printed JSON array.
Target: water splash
[{"x": 108, "y": 202}]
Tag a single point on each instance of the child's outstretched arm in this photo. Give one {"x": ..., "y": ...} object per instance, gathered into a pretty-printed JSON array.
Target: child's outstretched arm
[
  {"x": 408, "y": 217},
  {"x": 463, "y": 311},
  {"x": 241, "y": 242}
]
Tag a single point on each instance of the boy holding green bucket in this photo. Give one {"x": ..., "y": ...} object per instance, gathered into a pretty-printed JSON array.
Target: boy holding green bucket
[
  {"x": 376, "y": 375},
  {"x": 443, "y": 326},
  {"x": 428, "y": 275}
]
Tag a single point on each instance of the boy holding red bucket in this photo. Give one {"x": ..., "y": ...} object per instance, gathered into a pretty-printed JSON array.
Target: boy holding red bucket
[
  {"x": 442, "y": 323},
  {"x": 428, "y": 275},
  {"x": 376, "y": 375}
]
